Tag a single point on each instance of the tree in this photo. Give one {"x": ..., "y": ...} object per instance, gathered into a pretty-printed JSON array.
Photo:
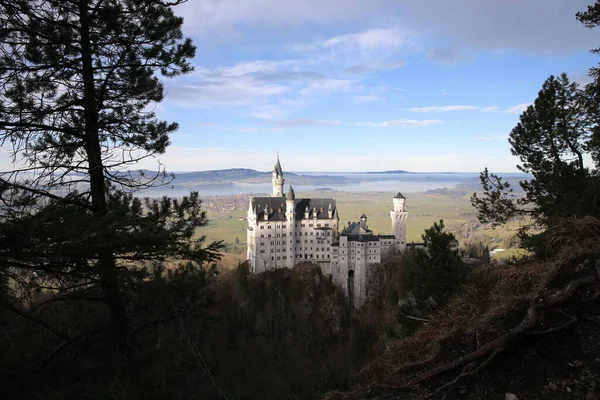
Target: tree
[
  {"x": 78, "y": 82},
  {"x": 591, "y": 19},
  {"x": 552, "y": 140},
  {"x": 436, "y": 270}
]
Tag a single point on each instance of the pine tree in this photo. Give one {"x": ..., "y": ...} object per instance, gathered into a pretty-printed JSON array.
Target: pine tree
[
  {"x": 78, "y": 83},
  {"x": 552, "y": 139}
]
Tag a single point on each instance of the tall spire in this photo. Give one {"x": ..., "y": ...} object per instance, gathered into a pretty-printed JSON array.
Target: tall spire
[
  {"x": 291, "y": 195},
  {"x": 278, "y": 180},
  {"x": 277, "y": 169}
]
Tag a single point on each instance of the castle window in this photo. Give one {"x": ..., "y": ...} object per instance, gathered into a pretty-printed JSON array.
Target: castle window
[
  {"x": 310, "y": 225},
  {"x": 303, "y": 225},
  {"x": 269, "y": 235},
  {"x": 285, "y": 257},
  {"x": 262, "y": 235},
  {"x": 297, "y": 240},
  {"x": 278, "y": 226},
  {"x": 272, "y": 257},
  {"x": 262, "y": 251},
  {"x": 318, "y": 225},
  {"x": 311, "y": 233},
  {"x": 262, "y": 227},
  {"x": 268, "y": 226},
  {"x": 317, "y": 256},
  {"x": 327, "y": 255},
  {"x": 279, "y": 258},
  {"x": 327, "y": 224}
]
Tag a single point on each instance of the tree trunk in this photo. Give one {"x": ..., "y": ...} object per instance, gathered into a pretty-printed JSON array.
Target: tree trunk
[{"x": 108, "y": 272}]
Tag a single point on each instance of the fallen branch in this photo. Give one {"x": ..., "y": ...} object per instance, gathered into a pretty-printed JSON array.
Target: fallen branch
[{"x": 498, "y": 345}]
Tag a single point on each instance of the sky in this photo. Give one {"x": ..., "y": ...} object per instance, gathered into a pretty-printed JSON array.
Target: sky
[{"x": 366, "y": 85}]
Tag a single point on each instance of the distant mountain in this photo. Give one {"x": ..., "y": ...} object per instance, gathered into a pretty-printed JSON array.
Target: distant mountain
[
  {"x": 396, "y": 171},
  {"x": 245, "y": 175}
]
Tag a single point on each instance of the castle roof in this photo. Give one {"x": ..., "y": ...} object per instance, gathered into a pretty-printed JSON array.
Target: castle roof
[
  {"x": 399, "y": 196},
  {"x": 291, "y": 195},
  {"x": 355, "y": 228},
  {"x": 363, "y": 216},
  {"x": 277, "y": 168},
  {"x": 276, "y": 208}
]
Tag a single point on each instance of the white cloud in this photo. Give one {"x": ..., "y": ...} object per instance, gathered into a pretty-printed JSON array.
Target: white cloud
[
  {"x": 365, "y": 99},
  {"x": 512, "y": 110},
  {"x": 401, "y": 123},
  {"x": 369, "y": 40},
  {"x": 518, "y": 109},
  {"x": 224, "y": 93},
  {"x": 486, "y": 138},
  {"x": 486, "y": 24},
  {"x": 329, "y": 86},
  {"x": 367, "y": 67},
  {"x": 445, "y": 108},
  {"x": 301, "y": 122}
]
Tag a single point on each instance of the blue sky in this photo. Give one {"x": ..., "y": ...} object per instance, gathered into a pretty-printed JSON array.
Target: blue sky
[
  {"x": 366, "y": 85},
  {"x": 355, "y": 85}
]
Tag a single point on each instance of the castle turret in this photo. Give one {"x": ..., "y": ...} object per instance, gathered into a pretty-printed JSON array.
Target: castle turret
[
  {"x": 277, "y": 179},
  {"x": 398, "y": 216},
  {"x": 290, "y": 212},
  {"x": 363, "y": 222}
]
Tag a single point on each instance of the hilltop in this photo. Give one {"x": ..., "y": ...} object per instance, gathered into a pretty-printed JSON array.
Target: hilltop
[{"x": 245, "y": 175}]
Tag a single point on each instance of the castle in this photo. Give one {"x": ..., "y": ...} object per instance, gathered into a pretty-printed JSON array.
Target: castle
[{"x": 284, "y": 230}]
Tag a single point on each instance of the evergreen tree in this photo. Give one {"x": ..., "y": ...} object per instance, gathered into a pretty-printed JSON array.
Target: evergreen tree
[
  {"x": 552, "y": 139},
  {"x": 79, "y": 80},
  {"x": 436, "y": 270}
]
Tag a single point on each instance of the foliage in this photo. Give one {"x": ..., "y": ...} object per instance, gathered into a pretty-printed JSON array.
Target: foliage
[
  {"x": 287, "y": 333},
  {"x": 79, "y": 81},
  {"x": 436, "y": 270},
  {"x": 552, "y": 139}
]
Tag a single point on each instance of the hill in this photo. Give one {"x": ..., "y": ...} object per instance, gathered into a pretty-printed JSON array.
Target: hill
[
  {"x": 527, "y": 330},
  {"x": 244, "y": 175}
]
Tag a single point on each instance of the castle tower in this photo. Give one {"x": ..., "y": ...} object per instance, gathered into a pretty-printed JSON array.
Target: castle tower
[
  {"x": 290, "y": 211},
  {"x": 398, "y": 216},
  {"x": 277, "y": 179},
  {"x": 363, "y": 222}
]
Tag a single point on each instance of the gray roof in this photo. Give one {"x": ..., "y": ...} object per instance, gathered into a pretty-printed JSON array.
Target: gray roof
[
  {"x": 363, "y": 216},
  {"x": 291, "y": 194},
  {"x": 276, "y": 207},
  {"x": 399, "y": 196},
  {"x": 277, "y": 169},
  {"x": 354, "y": 229}
]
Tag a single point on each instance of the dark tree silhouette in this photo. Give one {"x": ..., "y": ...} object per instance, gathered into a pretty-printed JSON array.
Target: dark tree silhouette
[{"x": 78, "y": 83}]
